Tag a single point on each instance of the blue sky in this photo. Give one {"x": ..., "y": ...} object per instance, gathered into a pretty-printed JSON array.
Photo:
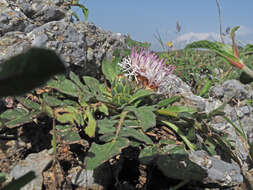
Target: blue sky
[{"x": 198, "y": 18}]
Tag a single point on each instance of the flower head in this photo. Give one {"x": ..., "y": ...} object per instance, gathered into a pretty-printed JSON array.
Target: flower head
[{"x": 145, "y": 65}]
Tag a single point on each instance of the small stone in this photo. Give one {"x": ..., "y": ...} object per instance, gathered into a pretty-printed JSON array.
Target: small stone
[
  {"x": 234, "y": 89},
  {"x": 245, "y": 110},
  {"x": 55, "y": 28},
  {"x": 239, "y": 113},
  {"x": 218, "y": 92},
  {"x": 36, "y": 162}
]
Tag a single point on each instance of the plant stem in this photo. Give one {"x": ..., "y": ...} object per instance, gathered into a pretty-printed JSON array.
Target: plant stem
[
  {"x": 122, "y": 117},
  {"x": 219, "y": 12}
]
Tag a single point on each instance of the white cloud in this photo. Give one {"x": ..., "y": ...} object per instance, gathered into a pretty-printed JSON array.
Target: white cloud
[
  {"x": 190, "y": 37},
  {"x": 244, "y": 35},
  {"x": 244, "y": 31}
]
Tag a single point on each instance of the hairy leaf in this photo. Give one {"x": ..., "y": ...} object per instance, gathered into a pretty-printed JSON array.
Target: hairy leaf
[
  {"x": 137, "y": 134},
  {"x": 145, "y": 116},
  {"x": 76, "y": 80},
  {"x": 66, "y": 86},
  {"x": 110, "y": 70},
  {"x": 168, "y": 101},
  {"x": 181, "y": 134},
  {"x": 22, "y": 119},
  {"x": 67, "y": 133},
  {"x": 29, "y": 103},
  {"x": 221, "y": 49},
  {"x": 140, "y": 94},
  {"x": 101, "y": 153},
  {"x": 107, "y": 126}
]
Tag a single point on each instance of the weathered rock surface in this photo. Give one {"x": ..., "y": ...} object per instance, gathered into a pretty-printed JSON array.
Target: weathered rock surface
[
  {"x": 100, "y": 178},
  {"x": 36, "y": 162},
  {"x": 49, "y": 24},
  {"x": 218, "y": 171}
]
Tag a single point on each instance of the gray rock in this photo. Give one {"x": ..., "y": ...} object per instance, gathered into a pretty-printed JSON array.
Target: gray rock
[
  {"x": 49, "y": 24},
  {"x": 40, "y": 41},
  {"x": 245, "y": 110},
  {"x": 234, "y": 89},
  {"x": 36, "y": 162},
  {"x": 218, "y": 92},
  {"x": 218, "y": 171},
  {"x": 100, "y": 178},
  {"x": 11, "y": 19}
]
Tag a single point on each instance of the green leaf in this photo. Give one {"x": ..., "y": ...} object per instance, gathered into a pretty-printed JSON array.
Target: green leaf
[
  {"x": 131, "y": 121},
  {"x": 93, "y": 84},
  {"x": 110, "y": 70},
  {"x": 168, "y": 101},
  {"x": 210, "y": 146},
  {"x": 104, "y": 109},
  {"x": 107, "y": 137},
  {"x": 221, "y": 49},
  {"x": 142, "y": 93},
  {"x": 70, "y": 102},
  {"x": 178, "y": 149},
  {"x": 205, "y": 88},
  {"x": 22, "y": 120},
  {"x": 145, "y": 116},
  {"x": 239, "y": 130},
  {"x": 28, "y": 70},
  {"x": 248, "y": 48},
  {"x": 21, "y": 181},
  {"x": 66, "y": 86},
  {"x": 2, "y": 177},
  {"x": 85, "y": 11},
  {"x": 51, "y": 101},
  {"x": 180, "y": 133},
  {"x": 90, "y": 129},
  {"x": 13, "y": 114},
  {"x": 76, "y": 80},
  {"x": 167, "y": 112},
  {"x": 67, "y": 133},
  {"x": 98, "y": 154},
  {"x": 28, "y": 103},
  {"x": 48, "y": 110},
  {"x": 69, "y": 115},
  {"x": 66, "y": 118},
  {"x": 137, "y": 134},
  {"x": 148, "y": 153},
  {"x": 85, "y": 96},
  {"x": 178, "y": 109},
  {"x": 107, "y": 126}
]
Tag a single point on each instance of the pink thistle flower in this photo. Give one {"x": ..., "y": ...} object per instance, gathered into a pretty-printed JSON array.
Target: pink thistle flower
[{"x": 146, "y": 65}]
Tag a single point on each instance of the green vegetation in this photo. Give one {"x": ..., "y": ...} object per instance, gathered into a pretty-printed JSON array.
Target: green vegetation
[{"x": 120, "y": 113}]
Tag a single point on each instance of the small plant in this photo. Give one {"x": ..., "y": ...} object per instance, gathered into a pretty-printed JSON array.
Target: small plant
[
  {"x": 124, "y": 111},
  {"x": 84, "y": 9},
  {"x": 230, "y": 54}
]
